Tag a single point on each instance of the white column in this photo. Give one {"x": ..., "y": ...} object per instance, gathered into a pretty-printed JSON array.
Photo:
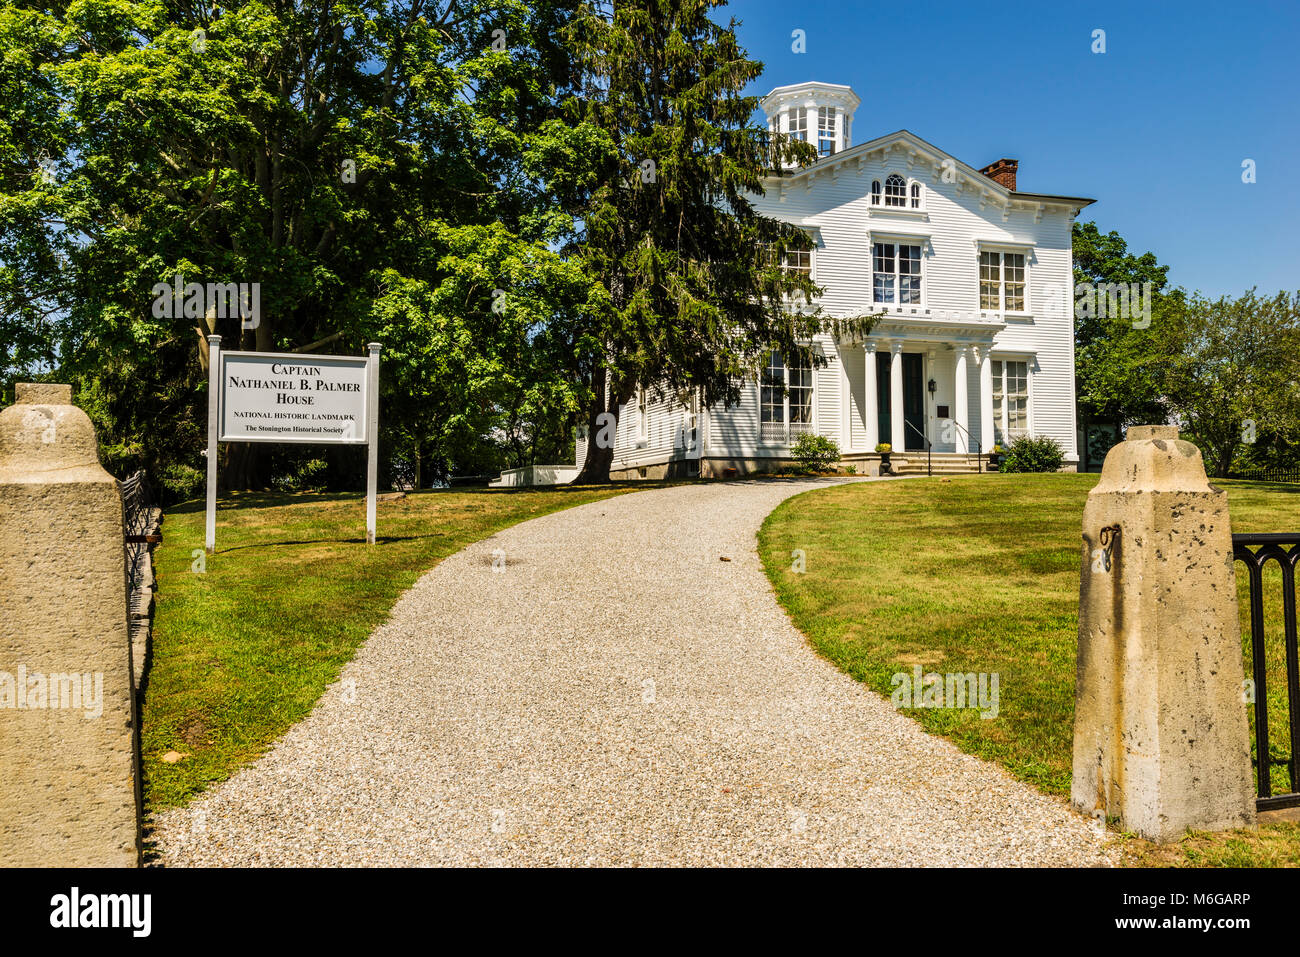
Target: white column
[
  {"x": 372, "y": 438},
  {"x": 898, "y": 437},
  {"x": 960, "y": 413},
  {"x": 846, "y": 401},
  {"x": 214, "y": 423},
  {"x": 986, "y": 399},
  {"x": 869, "y": 405}
]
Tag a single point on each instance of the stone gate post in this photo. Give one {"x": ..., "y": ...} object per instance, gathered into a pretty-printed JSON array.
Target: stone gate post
[
  {"x": 1160, "y": 730},
  {"x": 69, "y": 770}
]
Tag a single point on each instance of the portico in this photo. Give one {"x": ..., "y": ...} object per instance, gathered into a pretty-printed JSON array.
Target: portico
[{"x": 910, "y": 387}]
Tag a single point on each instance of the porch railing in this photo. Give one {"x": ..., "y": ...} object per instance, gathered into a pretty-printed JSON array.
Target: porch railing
[
  {"x": 1255, "y": 551},
  {"x": 979, "y": 453},
  {"x": 929, "y": 470},
  {"x": 783, "y": 431}
]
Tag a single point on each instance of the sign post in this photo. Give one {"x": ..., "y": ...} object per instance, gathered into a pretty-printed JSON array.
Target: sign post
[
  {"x": 372, "y": 433},
  {"x": 287, "y": 397},
  {"x": 214, "y": 400}
]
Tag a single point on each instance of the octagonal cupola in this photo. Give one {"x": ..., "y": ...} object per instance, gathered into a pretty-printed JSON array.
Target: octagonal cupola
[{"x": 818, "y": 113}]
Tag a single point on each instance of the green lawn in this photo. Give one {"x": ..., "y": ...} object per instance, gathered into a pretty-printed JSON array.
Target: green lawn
[
  {"x": 979, "y": 574},
  {"x": 242, "y": 650}
]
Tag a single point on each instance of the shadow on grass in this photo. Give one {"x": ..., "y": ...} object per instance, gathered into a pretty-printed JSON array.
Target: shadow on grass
[
  {"x": 266, "y": 499},
  {"x": 379, "y": 540}
]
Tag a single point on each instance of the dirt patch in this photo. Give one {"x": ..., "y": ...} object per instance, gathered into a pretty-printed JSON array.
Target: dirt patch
[{"x": 195, "y": 733}]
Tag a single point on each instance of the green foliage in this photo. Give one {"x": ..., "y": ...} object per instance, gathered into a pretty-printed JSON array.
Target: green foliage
[
  {"x": 816, "y": 453},
  {"x": 1229, "y": 370},
  {"x": 363, "y": 165},
  {"x": 655, "y": 161},
  {"x": 1115, "y": 380},
  {"x": 1033, "y": 454}
]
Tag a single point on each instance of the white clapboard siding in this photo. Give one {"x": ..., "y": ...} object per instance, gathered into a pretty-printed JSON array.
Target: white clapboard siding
[{"x": 834, "y": 205}]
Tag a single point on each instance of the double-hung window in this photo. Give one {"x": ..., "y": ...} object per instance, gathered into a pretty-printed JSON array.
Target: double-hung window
[
  {"x": 896, "y": 273},
  {"x": 785, "y": 399},
  {"x": 825, "y": 130},
  {"x": 799, "y": 124},
  {"x": 1002, "y": 281},
  {"x": 1010, "y": 400},
  {"x": 797, "y": 261}
]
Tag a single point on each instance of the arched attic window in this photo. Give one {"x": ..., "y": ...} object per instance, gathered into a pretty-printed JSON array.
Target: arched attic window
[
  {"x": 895, "y": 190},
  {"x": 916, "y": 195},
  {"x": 875, "y": 192}
]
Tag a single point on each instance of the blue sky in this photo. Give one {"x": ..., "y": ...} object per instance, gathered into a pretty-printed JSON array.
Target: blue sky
[{"x": 1156, "y": 128}]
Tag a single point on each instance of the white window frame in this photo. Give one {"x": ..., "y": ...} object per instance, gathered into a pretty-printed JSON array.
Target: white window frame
[
  {"x": 877, "y": 200},
  {"x": 796, "y": 117},
  {"x": 900, "y": 178},
  {"x": 896, "y": 241},
  {"x": 768, "y": 432},
  {"x": 827, "y": 134},
  {"x": 1002, "y": 250},
  {"x": 1001, "y": 426}
]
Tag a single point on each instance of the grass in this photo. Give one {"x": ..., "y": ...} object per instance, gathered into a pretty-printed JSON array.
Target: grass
[
  {"x": 243, "y": 649},
  {"x": 981, "y": 574}
]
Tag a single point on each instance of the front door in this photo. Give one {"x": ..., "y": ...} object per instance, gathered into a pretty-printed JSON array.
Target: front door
[
  {"x": 913, "y": 402},
  {"x": 883, "y": 392}
]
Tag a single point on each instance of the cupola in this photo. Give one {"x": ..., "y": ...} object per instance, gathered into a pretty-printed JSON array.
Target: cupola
[{"x": 818, "y": 113}]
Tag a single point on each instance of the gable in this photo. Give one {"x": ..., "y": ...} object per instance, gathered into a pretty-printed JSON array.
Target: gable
[{"x": 921, "y": 161}]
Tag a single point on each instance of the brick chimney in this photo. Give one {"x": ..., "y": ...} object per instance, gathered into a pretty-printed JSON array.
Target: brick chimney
[{"x": 1003, "y": 172}]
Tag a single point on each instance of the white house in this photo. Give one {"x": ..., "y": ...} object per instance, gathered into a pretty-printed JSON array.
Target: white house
[{"x": 975, "y": 279}]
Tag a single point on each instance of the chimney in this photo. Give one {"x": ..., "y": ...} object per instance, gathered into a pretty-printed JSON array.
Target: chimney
[{"x": 1003, "y": 172}]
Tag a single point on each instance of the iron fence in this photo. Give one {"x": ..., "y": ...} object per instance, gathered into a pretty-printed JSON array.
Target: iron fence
[
  {"x": 1255, "y": 551},
  {"x": 1268, "y": 475},
  {"x": 140, "y": 525}
]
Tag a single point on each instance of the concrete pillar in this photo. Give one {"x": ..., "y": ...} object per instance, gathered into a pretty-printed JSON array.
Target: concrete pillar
[
  {"x": 1160, "y": 731},
  {"x": 960, "y": 401},
  {"x": 870, "y": 404},
  {"x": 898, "y": 436},
  {"x": 69, "y": 772},
  {"x": 986, "y": 400}
]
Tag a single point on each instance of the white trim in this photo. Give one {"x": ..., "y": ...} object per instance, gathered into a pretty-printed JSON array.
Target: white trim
[
  {"x": 1015, "y": 245},
  {"x": 896, "y": 239},
  {"x": 1002, "y": 251}
]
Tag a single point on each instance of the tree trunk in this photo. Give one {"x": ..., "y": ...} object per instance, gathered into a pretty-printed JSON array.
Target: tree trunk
[
  {"x": 1223, "y": 461},
  {"x": 595, "y": 470}
]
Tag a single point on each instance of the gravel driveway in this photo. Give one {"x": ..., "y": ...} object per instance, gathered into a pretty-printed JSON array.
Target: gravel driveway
[{"x": 614, "y": 693}]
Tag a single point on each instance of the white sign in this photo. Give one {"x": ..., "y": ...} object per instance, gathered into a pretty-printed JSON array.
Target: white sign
[
  {"x": 286, "y": 397},
  {"x": 278, "y": 397}
]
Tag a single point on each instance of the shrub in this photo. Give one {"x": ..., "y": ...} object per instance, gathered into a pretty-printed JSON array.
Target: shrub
[
  {"x": 816, "y": 453},
  {"x": 1037, "y": 453}
]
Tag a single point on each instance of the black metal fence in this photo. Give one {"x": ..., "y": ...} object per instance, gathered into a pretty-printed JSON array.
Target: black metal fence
[
  {"x": 1255, "y": 551},
  {"x": 1268, "y": 475},
  {"x": 139, "y": 519}
]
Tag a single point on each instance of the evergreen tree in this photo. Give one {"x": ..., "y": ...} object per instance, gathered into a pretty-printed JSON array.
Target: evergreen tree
[{"x": 656, "y": 162}]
